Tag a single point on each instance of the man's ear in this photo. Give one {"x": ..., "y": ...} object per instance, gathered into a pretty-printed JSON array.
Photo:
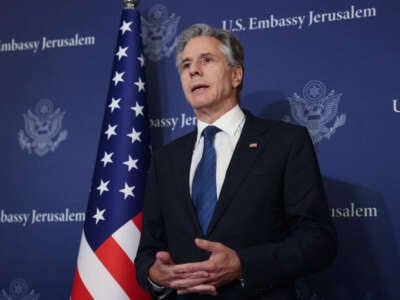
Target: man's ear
[{"x": 237, "y": 76}]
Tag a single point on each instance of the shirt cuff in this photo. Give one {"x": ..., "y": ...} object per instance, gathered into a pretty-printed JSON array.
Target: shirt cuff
[{"x": 160, "y": 292}]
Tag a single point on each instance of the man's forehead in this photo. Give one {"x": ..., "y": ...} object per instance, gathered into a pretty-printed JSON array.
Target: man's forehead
[{"x": 201, "y": 45}]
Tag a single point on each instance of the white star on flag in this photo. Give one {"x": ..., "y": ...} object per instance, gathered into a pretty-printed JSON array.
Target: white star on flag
[
  {"x": 107, "y": 158},
  {"x": 135, "y": 135},
  {"x": 118, "y": 77},
  {"x": 110, "y": 131},
  {"x": 126, "y": 26},
  {"x": 131, "y": 163},
  {"x": 121, "y": 52},
  {"x": 138, "y": 109},
  {"x": 127, "y": 191},
  {"x": 140, "y": 85},
  {"x": 99, "y": 215},
  {"x": 103, "y": 187},
  {"x": 114, "y": 104},
  {"x": 141, "y": 59}
]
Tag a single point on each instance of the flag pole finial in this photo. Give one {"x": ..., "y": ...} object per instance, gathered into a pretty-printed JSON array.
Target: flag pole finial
[{"x": 130, "y": 4}]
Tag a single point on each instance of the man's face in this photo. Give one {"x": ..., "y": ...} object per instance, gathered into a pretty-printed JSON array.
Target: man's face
[{"x": 208, "y": 82}]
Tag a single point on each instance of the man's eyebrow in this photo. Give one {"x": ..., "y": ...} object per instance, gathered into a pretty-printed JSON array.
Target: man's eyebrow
[
  {"x": 187, "y": 59},
  {"x": 206, "y": 54}
]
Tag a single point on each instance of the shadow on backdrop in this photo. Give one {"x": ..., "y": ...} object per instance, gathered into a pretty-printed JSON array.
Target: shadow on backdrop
[{"x": 367, "y": 266}]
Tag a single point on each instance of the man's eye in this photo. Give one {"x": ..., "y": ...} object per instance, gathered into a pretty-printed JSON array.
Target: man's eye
[
  {"x": 206, "y": 60},
  {"x": 185, "y": 66}
]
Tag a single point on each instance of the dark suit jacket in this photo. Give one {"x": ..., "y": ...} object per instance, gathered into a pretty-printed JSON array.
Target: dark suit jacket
[{"x": 271, "y": 210}]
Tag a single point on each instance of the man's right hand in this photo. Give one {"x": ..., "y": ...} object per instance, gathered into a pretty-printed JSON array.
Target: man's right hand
[{"x": 163, "y": 273}]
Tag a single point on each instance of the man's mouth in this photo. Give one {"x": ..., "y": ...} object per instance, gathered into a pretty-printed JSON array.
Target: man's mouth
[{"x": 199, "y": 88}]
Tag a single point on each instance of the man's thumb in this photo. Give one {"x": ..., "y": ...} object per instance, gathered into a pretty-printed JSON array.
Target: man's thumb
[
  {"x": 207, "y": 245},
  {"x": 164, "y": 257}
]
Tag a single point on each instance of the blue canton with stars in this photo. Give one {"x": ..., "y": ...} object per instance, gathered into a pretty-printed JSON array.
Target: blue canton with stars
[{"x": 123, "y": 155}]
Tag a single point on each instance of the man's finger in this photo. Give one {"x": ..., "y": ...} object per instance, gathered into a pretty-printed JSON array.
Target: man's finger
[
  {"x": 187, "y": 283},
  {"x": 208, "y": 245},
  {"x": 204, "y": 266},
  {"x": 194, "y": 275},
  {"x": 200, "y": 289}
]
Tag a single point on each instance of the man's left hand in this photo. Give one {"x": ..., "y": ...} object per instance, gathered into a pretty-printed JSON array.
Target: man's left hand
[{"x": 223, "y": 266}]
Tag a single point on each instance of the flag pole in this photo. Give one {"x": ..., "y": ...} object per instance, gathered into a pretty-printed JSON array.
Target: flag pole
[{"x": 130, "y": 4}]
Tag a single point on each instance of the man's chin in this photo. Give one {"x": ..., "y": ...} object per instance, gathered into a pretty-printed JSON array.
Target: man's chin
[{"x": 200, "y": 102}]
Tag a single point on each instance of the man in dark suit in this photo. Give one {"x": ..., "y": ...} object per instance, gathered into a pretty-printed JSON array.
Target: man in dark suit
[{"x": 235, "y": 209}]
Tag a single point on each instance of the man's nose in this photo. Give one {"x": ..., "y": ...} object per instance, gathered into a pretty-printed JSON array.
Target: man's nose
[{"x": 195, "y": 69}]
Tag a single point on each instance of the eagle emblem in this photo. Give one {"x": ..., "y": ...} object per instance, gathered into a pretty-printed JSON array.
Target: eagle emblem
[
  {"x": 315, "y": 110},
  {"x": 19, "y": 289},
  {"x": 159, "y": 33},
  {"x": 42, "y": 129}
]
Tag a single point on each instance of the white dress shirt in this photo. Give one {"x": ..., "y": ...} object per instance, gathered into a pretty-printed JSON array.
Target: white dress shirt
[{"x": 231, "y": 125}]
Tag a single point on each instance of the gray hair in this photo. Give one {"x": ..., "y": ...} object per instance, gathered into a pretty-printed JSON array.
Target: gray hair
[{"x": 230, "y": 46}]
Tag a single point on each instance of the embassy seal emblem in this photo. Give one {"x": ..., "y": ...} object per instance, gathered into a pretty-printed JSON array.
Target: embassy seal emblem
[
  {"x": 19, "y": 290},
  {"x": 315, "y": 110},
  {"x": 42, "y": 132},
  {"x": 159, "y": 33}
]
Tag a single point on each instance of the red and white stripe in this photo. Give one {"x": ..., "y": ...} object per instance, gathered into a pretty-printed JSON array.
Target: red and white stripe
[{"x": 109, "y": 272}]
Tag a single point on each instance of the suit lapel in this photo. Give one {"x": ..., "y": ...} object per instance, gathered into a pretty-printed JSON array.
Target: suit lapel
[{"x": 248, "y": 148}]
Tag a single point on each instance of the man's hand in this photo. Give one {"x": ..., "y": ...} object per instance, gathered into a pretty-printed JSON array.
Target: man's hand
[
  {"x": 163, "y": 273},
  {"x": 222, "y": 267}
]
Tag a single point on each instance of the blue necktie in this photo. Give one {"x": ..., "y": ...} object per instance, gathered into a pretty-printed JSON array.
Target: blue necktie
[{"x": 204, "y": 189}]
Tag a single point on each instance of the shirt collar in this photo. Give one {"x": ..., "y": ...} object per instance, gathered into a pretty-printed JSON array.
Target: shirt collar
[{"x": 230, "y": 122}]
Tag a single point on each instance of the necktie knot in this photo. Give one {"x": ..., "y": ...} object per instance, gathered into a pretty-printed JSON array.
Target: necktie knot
[{"x": 209, "y": 132}]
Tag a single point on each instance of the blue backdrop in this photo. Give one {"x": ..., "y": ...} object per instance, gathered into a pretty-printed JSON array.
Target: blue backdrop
[{"x": 329, "y": 65}]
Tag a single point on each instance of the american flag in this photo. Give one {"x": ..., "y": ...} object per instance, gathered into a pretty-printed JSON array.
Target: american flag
[{"x": 105, "y": 267}]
